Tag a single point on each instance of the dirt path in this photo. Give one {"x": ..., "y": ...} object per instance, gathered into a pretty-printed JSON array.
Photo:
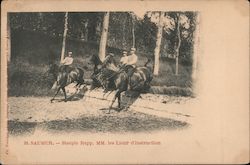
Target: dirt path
[{"x": 146, "y": 113}]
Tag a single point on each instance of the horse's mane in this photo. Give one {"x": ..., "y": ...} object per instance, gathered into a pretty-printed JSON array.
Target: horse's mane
[
  {"x": 109, "y": 60},
  {"x": 96, "y": 60}
]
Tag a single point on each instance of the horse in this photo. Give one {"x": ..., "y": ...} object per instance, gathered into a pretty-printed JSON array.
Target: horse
[
  {"x": 141, "y": 78},
  {"x": 118, "y": 78},
  {"x": 95, "y": 60},
  {"x": 62, "y": 79}
]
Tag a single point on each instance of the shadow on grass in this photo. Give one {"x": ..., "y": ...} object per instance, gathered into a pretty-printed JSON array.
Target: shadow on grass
[
  {"x": 20, "y": 128},
  {"x": 122, "y": 122}
]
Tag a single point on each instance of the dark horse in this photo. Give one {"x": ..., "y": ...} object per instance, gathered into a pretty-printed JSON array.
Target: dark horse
[
  {"x": 118, "y": 78},
  {"x": 62, "y": 79},
  {"x": 95, "y": 60}
]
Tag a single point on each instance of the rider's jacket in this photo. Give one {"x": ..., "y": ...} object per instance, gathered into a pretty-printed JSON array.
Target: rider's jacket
[
  {"x": 132, "y": 60},
  {"x": 67, "y": 61},
  {"x": 124, "y": 60}
]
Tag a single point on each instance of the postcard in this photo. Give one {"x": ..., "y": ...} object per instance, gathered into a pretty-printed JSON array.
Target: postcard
[{"x": 124, "y": 82}]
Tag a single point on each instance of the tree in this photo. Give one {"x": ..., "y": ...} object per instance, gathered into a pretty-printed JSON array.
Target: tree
[
  {"x": 158, "y": 44},
  {"x": 85, "y": 33},
  {"x": 196, "y": 42},
  {"x": 124, "y": 32},
  {"x": 104, "y": 36},
  {"x": 133, "y": 30},
  {"x": 64, "y": 35},
  {"x": 178, "y": 44},
  {"x": 164, "y": 23}
]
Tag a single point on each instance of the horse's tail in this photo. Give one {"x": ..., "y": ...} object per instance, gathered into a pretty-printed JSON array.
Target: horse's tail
[{"x": 81, "y": 75}]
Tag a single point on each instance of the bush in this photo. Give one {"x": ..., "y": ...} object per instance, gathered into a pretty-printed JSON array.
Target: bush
[{"x": 26, "y": 80}]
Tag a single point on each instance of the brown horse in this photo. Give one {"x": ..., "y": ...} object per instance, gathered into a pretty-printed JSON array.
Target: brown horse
[
  {"x": 118, "y": 78},
  {"x": 63, "y": 78}
]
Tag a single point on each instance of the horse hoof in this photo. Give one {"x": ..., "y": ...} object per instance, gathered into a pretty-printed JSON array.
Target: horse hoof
[{"x": 51, "y": 101}]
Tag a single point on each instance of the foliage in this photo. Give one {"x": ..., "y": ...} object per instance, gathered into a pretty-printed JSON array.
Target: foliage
[
  {"x": 36, "y": 40},
  {"x": 87, "y": 27}
]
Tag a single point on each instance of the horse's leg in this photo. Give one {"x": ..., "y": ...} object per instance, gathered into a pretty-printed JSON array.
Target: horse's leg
[
  {"x": 64, "y": 92},
  {"x": 116, "y": 95},
  {"x": 87, "y": 94},
  {"x": 55, "y": 94},
  {"x": 108, "y": 94},
  {"x": 103, "y": 96},
  {"x": 80, "y": 82},
  {"x": 76, "y": 86},
  {"x": 119, "y": 100},
  {"x": 77, "y": 89},
  {"x": 89, "y": 91},
  {"x": 128, "y": 102}
]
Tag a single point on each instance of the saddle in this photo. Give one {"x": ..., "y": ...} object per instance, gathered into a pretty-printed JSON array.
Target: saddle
[{"x": 66, "y": 69}]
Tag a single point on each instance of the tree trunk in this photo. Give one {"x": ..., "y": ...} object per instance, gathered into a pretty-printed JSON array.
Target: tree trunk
[
  {"x": 158, "y": 45},
  {"x": 124, "y": 32},
  {"x": 133, "y": 31},
  {"x": 196, "y": 46},
  {"x": 85, "y": 31},
  {"x": 64, "y": 35},
  {"x": 178, "y": 46},
  {"x": 8, "y": 40},
  {"x": 104, "y": 36}
]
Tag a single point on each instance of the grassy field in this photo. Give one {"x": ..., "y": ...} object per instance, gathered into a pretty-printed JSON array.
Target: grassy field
[
  {"x": 30, "y": 61},
  {"x": 26, "y": 79}
]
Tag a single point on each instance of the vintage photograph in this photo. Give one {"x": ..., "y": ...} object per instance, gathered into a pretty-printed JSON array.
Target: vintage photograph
[
  {"x": 98, "y": 71},
  {"x": 128, "y": 82}
]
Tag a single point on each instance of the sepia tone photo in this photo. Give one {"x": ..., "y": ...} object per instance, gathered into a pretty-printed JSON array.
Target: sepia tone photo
[
  {"x": 85, "y": 63},
  {"x": 82, "y": 83}
]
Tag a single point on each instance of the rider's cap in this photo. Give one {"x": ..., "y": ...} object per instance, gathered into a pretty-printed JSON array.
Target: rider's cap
[
  {"x": 124, "y": 52},
  {"x": 112, "y": 54},
  {"x": 70, "y": 53},
  {"x": 133, "y": 49}
]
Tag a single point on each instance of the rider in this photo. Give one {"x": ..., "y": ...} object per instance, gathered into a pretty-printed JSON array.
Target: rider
[
  {"x": 132, "y": 58},
  {"x": 130, "y": 65},
  {"x": 67, "y": 62},
  {"x": 124, "y": 58}
]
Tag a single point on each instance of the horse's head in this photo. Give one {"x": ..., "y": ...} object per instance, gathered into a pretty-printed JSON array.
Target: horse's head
[
  {"x": 110, "y": 63},
  {"x": 95, "y": 60},
  {"x": 109, "y": 60}
]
